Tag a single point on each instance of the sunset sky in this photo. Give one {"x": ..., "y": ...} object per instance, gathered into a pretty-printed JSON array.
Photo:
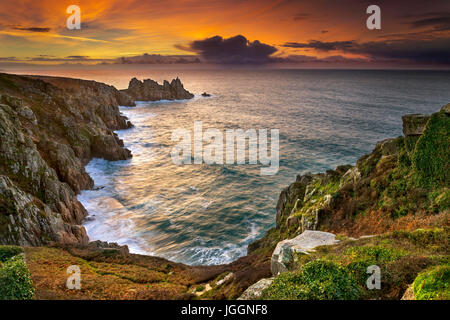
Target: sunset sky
[{"x": 413, "y": 33}]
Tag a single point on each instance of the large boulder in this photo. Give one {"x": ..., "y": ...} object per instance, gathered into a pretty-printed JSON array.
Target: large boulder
[
  {"x": 254, "y": 292},
  {"x": 283, "y": 256},
  {"x": 414, "y": 124},
  {"x": 446, "y": 108}
]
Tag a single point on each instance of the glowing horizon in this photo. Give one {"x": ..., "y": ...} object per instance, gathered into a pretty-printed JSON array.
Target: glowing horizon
[{"x": 300, "y": 32}]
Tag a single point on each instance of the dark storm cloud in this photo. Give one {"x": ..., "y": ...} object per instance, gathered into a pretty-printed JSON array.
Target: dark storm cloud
[
  {"x": 303, "y": 59},
  {"x": 419, "y": 51},
  {"x": 437, "y": 21},
  {"x": 436, "y": 50},
  {"x": 321, "y": 46},
  {"x": 157, "y": 59},
  {"x": 33, "y": 29},
  {"x": 78, "y": 57},
  {"x": 235, "y": 50}
]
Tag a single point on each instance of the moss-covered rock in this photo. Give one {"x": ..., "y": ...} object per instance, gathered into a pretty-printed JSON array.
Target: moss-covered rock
[
  {"x": 432, "y": 152},
  {"x": 433, "y": 284}
]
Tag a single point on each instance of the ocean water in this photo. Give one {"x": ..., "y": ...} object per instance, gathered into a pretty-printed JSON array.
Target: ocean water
[{"x": 208, "y": 214}]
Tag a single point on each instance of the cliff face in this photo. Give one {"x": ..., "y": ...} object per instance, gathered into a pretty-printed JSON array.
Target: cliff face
[
  {"x": 50, "y": 128},
  {"x": 389, "y": 210},
  {"x": 402, "y": 185},
  {"x": 149, "y": 90}
]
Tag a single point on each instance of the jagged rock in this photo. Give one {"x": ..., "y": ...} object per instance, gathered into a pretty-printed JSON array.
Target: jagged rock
[
  {"x": 254, "y": 292},
  {"x": 446, "y": 108},
  {"x": 109, "y": 246},
  {"x": 309, "y": 192},
  {"x": 109, "y": 147},
  {"x": 388, "y": 147},
  {"x": 226, "y": 279},
  {"x": 26, "y": 221},
  {"x": 310, "y": 219},
  {"x": 328, "y": 201},
  {"x": 67, "y": 165},
  {"x": 149, "y": 90},
  {"x": 287, "y": 196},
  {"x": 350, "y": 177},
  {"x": 28, "y": 114},
  {"x": 50, "y": 128},
  {"x": 414, "y": 124},
  {"x": 283, "y": 255},
  {"x": 292, "y": 221}
]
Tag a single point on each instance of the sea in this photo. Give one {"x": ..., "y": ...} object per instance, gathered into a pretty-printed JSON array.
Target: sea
[{"x": 206, "y": 214}]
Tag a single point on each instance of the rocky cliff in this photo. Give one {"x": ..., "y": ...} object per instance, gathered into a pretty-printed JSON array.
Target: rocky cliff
[
  {"x": 403, "y": 184},
  {"x": 149, "y": 90},
  {"x": 398, "y": 194},
  {"x": 50, "y": 128}
]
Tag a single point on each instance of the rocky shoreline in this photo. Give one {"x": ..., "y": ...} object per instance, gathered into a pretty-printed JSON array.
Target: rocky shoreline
[{"x": 52, "y": 127}]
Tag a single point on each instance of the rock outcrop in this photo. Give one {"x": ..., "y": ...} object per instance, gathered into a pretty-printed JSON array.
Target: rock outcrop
[
  {"x": 414, "y": 124},
  {"x": 254, "y": 292},
  {"x": 284, "y": 254},
  {"x": 392, "y": 187},
  {"x": 149, "y": 90}
]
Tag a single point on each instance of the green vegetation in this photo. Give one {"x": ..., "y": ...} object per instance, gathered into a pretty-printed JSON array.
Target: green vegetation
[
  {"x": 15, "y": 278},
  {"x": 317, "y": 280},
  {"x": 7, "y": 252},
  {"x": 200, "y": 288},
  {"x": 433, "y": 284},
  {"x": 432, "y": 153},
  {"x": 400, "y": 255}
]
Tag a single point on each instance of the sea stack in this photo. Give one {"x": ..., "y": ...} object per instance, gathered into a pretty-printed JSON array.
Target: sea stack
[{"x": 150, "y": 90}]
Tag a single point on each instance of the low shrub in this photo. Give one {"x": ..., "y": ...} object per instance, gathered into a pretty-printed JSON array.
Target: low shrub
[
  {"x": 433, "y": 284},
  {"x": 374, "y": 254},
  {"x": 7, "y": 252},
  {"x": 365, "y": 256},
  {"x": 317, "y": 280},
  {"x": 15, "y": 280},
  {"x": 425, "y": 237}
]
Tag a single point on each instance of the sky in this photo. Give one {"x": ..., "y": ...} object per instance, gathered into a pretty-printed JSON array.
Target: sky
[{"x": 414, "y": 33}]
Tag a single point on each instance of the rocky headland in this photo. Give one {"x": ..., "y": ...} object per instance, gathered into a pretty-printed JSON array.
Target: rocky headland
[
  {"x": 50, "y": 128},
  {"x": 390, "y": 209}
]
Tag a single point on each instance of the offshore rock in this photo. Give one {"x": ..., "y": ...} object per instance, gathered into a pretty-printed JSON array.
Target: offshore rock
[{"x": 149, "y": 90}]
